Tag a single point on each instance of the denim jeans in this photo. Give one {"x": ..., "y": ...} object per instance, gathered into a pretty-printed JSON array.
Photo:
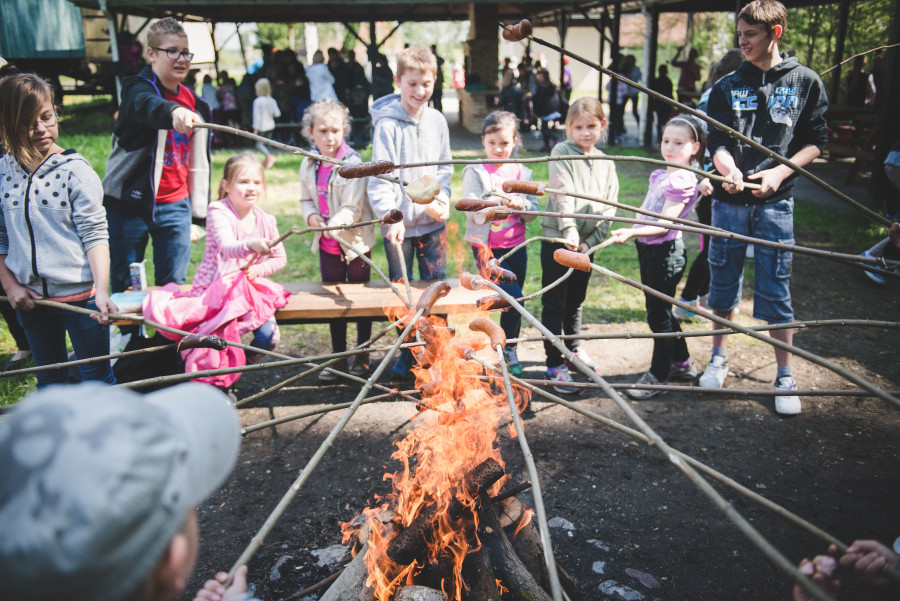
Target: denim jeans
[
  {"x": 772, "y": 267},
  {"x": 510, "y": 321},
  {"x": 46, "y": 329},
  {"x": 431, "y": 251},
  {"x": 562, "y": 305},
  {"x": 662, "y": 266},
  {"x": 171, "y": 234}
]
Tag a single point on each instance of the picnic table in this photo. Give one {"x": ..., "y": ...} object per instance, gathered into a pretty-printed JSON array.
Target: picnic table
[{"x": 852, "y": 133}]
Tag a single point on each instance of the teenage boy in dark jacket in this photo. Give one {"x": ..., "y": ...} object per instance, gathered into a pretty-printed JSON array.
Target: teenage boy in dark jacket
[
  {"x": 775, "y": 100},
  {"x": 159, "y": 166}
]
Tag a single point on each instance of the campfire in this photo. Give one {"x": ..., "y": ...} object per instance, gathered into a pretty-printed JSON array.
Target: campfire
[{"x": 446, "y": 530}]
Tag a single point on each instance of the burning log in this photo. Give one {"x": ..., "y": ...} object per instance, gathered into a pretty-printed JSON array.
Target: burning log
[
  {"x": 412, "y": 540},
  {"x": 479, "y": 576},
  {"x": 507, "y": 565}
]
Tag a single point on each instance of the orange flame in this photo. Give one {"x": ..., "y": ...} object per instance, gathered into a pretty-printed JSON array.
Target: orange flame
[{"x": 457, "y": 432}]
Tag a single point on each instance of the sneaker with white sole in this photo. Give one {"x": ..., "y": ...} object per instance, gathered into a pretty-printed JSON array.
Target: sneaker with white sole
[
  {"x": 640, "y": 394},
  {"x": 561, "y": 374},
  {"x": 585, "y": 358},
  {"x": 683, "y": 373},
  {"x": 715, "y": 373},
  {"x": 787, "y": 404}
]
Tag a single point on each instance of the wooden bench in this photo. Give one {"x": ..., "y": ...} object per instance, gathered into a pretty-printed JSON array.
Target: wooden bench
[{"x": 317, "y": 302}]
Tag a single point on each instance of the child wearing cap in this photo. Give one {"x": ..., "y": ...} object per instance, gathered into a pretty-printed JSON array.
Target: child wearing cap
[{"x": 99, "y": 489}]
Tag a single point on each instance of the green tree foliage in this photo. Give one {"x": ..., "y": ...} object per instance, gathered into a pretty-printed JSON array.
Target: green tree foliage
[{"x": 275, "y": 34}]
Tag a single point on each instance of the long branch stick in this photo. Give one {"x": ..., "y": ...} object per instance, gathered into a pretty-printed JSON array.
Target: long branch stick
[
  {"x": 844, "y": 373},
  {"x": 721, "y": 126},
  {"x": 540, "y": 511},
  {"x": 773, "y": 554},
  {"x": 282, "y": 506},
  {"x": 815, "y": 252},
  {"x": 66, "y": 364}
]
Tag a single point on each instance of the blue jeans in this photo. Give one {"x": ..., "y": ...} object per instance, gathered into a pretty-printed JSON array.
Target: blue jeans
[
  {"x": 431, "y": 251},
  {"x": 171, "y": 234},
  {"x": 46, "y": 329},
  {"x": 510, "y": 321},
  {"x": 772, "y": 267}
]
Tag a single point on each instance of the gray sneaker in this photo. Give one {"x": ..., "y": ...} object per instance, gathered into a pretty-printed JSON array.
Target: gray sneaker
[
  {"x": 715, "y": 373},
  {"x": 643, "y": 394},
  {"x": 678, "y": 373}
]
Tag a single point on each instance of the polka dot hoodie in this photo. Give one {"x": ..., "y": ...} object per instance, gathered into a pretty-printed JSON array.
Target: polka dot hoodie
[{"x": 49, "y": 220}]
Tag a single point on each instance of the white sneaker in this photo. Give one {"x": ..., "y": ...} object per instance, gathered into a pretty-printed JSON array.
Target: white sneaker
[
  {"x": 790, "y": 404},
  {"x": 715, "y": 373}
]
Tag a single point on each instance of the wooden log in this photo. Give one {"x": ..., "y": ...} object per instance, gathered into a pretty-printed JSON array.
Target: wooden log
[
  {"x": 351, "y": 584},
  {"x": 419, "y": 593},
  {"x": 409, "y": 544},
  {"x": 478, "y": 576},
  {"x": 507, "y": 565}
]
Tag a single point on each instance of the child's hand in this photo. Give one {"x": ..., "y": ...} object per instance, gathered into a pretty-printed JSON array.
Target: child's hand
[
  {"x": 770, "y": 181},
  {"x": 316, "y": 220},
  {"x": 260, "y": 245},
  {"x": 820, "y": 570},
  {"x": 705, "y": 187},
  {"x": 437, "y": 210},
  {"x": 583, "y": 248},
  {"x": 620, "y": 236},
  {"x": 866, "y": 558},
  {"x": 105, "y": 306},
  {"x": 395, "y": 233},
  {"x": 251, "y": 272},
  {"x": 516, "y": 203},
  {"x": 571, "y": 237},
  {"x": 213, "y": 590},
  {"x": 183, "y": 120},
  {"x": 20, "y": 297},
  {"x": 737, "y": 177}
]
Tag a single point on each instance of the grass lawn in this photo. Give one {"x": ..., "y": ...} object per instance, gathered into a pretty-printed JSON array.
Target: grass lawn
[{"x": 86, "y": 127}]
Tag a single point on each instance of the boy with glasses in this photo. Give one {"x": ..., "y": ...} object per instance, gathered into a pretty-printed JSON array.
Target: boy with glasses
[{"x": 157, "y": 176}]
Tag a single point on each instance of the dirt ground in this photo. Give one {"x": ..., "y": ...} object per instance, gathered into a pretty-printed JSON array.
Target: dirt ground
[{"x": 632, "y": 513}]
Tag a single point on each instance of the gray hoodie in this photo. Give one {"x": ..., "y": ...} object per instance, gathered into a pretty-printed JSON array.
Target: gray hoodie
[
  {"x": 50, "y": 220},
  {"x": 400, "y": 139}
]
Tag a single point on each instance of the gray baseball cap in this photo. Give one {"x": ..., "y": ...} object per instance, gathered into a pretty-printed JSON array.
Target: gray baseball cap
[{"x": 95, "y": 481}]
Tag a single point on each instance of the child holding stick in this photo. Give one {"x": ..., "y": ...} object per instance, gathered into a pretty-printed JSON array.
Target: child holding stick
[
  {"x": 329, "y": 199},
  {"x": 585, "y": 126},
  {"x": 499, "y": 136},
  {"x": 673, "y": 192},
  {"x": 54, "y": 243}
]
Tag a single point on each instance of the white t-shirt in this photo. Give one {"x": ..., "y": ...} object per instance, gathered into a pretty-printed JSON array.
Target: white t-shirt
[{"x": 265, "y": 110}]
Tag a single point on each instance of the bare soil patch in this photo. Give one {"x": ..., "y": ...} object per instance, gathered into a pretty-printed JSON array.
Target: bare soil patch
[{"x": 633, "y": 512}]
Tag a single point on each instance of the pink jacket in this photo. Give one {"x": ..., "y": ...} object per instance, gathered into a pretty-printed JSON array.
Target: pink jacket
[{"x": 228, "y": 247}]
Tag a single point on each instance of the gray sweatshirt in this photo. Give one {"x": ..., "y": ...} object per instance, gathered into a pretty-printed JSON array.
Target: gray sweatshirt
[
  {"x": 400, "y": 139},
  {"x": 50, "y": 220},
  {"x": 589, "y": 177}
]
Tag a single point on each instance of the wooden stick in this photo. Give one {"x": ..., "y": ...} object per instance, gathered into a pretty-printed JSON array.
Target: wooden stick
[
  {"x": 721, "y": 126},
  {"x": 844, "y": 373},
  {"x": 282, "y": 506},
  {"x": 31, "y": 370},
  {"x": 720, "y": 477},
  {"x": 842, "y": 257},
  {"x": 726, "y": 508},
  {"x": 539, "y": 510}
]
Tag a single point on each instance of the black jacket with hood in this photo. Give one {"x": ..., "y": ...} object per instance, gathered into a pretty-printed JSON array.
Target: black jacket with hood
[{"x": 783, "y": 109}]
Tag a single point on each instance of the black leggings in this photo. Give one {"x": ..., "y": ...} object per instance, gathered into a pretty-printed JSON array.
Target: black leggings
[{"x": 697, "y": 283}]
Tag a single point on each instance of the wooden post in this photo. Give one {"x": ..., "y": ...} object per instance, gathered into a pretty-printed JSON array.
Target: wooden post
[
  {"x": 237, "y": 28},
  {"x": 604, "y": 23},
  {"x": 889, "y": 125},
  {"x": 650, "y": 71}
]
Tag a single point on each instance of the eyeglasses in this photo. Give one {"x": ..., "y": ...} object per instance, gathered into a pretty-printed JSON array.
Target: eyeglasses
[
  {"x": 175, "y": 53},
  {"x": 47, "y": 120}
]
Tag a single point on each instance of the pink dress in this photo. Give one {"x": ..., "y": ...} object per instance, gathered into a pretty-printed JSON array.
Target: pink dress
[{"x": 223, "y": 301}]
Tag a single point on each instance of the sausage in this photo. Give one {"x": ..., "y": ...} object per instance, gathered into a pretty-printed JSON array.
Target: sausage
[
  {"x": 473, "y": 204},
  {"x": 423, "y": 190},
  {"x": 517, "y": 32},
  {"x": 570, "y": 258},
  {"x": 431, "y": 295},
  {"x": 367, "y": 169},
  {"x": 514, "y": 186},
  {"x": 493, "y": 331}
]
